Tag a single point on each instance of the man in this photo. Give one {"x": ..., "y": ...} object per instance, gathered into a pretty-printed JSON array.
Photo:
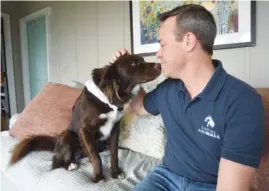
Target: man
[{"x": 214, "y": 122}]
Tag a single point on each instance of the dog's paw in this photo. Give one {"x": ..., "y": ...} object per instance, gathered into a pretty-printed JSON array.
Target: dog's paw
[
  {"x": 98, "y": 179},
  {"x": 102, "y": 181},
  {"x": 118, "y": 174},
  {"x": 72, "y": 166},
  {"x": 121, "y": 176}
]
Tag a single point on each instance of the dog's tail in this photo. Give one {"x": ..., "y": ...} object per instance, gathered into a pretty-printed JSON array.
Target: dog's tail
[{"x": 33, "y": 143}]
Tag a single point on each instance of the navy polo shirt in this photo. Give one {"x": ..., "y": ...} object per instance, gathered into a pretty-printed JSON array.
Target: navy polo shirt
[{"x": 225, "y": 120}]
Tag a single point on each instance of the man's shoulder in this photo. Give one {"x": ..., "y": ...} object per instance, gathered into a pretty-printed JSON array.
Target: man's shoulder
[
  {"x": 165, "y": 86},
  {"x": 240, "y": 94},
  {"x": 169, "y": 83},
  {"x": 238, "y": 89}
]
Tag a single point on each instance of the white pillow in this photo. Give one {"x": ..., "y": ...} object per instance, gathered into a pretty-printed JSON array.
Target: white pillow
[
  {"x": 13, "y": 120},
  {"x": 143, "y": 134}
]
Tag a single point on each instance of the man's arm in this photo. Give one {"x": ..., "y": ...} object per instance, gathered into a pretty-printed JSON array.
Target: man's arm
[
  {"x": 234, "y": 176},
  {"x": 242, "y": 143},
  {"x": 137, "y": 105}
]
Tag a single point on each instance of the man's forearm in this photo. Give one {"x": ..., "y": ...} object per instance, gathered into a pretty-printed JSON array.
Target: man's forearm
[
  {"x": 138, "y": 109},
  {"x": 234, "y": 176},
  {"x": 136, "y": 105}
]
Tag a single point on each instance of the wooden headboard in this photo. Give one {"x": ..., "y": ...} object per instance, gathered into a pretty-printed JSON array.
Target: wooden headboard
[{"x": 264, "y": 92}]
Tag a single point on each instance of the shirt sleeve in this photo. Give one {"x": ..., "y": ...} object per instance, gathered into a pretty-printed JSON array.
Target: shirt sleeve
[
  {"x": 244, "y": 134},
  {"x": 151, "y": 102}
]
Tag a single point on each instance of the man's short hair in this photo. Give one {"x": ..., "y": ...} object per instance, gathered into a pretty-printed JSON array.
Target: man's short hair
[{"x": 196, "y": 19}]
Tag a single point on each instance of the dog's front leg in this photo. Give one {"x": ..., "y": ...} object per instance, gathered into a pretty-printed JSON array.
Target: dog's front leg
[
  {"x": 90, "y": 148},
  {"x": 113, "y": 145}
]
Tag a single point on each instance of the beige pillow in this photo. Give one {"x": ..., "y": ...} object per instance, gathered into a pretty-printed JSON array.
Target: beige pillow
[
  {"x": 143, "y": 134},
  {"x": 48, "y": 113}
]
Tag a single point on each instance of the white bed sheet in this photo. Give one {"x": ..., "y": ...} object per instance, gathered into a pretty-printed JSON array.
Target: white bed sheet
[{"x": 33, "y": 172}]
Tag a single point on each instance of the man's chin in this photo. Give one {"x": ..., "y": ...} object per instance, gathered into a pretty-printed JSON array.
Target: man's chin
[{"x": 165, "y": 74}]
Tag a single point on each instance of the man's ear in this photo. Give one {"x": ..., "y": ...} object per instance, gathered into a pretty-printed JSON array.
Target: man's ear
[{"x": 190, "y": 41}]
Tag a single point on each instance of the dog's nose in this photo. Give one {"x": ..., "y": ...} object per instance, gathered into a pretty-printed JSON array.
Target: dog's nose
[{"x": 158, "y": 66}]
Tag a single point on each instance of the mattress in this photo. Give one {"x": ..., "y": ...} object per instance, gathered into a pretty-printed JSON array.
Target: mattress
[{"x": 33, "y": 171}]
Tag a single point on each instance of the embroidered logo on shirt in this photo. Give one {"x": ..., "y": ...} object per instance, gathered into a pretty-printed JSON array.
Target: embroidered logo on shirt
[
  {"x": 208, "y": 128},
  {"x": 209, "y": 121}
]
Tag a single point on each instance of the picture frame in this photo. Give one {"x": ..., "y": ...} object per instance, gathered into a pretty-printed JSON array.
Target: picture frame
[{"x": 236, "y": 26}]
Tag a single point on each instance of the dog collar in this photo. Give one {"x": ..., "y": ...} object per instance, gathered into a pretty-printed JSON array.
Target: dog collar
[{"x": 95, "y": 90}]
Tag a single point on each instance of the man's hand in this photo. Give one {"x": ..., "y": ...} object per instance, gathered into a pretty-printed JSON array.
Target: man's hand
[
  {"x": 118, "y": 54},
  {"x": 233, "y": 176},
  {"x": 136, "y": 104}
]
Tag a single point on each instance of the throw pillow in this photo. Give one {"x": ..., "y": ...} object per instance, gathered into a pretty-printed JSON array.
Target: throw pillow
[
  {"x": 143, "y": 134},
  {"x": 48, "y": 113}
]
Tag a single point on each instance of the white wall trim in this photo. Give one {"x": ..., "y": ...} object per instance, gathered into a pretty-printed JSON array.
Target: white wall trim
[
  {"x": 24, "y": 48},
  {"x": 9, "y": 64}
]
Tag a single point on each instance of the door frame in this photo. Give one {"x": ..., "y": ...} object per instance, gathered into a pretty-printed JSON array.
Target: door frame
[
  {"x": 24, "y": 48},
  {"x": 9, "y": 64}
]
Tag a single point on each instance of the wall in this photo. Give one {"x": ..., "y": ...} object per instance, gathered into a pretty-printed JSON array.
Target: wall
[
  {"x": 85, "y": 35},
  {"x": 12, "y": 9}
]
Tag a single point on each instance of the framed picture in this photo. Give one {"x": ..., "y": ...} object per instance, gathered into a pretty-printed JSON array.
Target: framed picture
[{"x": 236, "y": 23}]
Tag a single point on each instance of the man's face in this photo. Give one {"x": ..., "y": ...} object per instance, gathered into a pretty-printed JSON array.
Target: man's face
[{"x": 172, "y": 53}]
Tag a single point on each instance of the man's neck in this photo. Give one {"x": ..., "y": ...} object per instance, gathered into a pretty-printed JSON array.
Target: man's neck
[{"x": 197, "y": 75}]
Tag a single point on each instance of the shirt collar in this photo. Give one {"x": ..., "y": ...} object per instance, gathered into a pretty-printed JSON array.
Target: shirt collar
[{"x": 214, "y": 85}]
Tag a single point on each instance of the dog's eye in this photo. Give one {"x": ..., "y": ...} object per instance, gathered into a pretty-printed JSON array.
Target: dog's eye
[{"x": 134, "y": 63}]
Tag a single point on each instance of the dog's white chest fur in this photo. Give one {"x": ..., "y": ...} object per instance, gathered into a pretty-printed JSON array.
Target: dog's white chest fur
[{"x": 112, "y": 117}]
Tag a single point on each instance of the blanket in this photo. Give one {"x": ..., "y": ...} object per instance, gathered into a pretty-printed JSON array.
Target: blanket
[{"x": 33, "y": 172}]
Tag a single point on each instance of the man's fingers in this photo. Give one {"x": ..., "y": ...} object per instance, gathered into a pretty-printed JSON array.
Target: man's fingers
[
  {"x": 118, "y": 54},
  {"x": 114, "y": 57},
  {"x": 124, "y": 51}
]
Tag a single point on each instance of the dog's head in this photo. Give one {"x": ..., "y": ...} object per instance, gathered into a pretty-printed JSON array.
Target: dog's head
[
  {"x": 118, "y": 79},
  {"x": 134, "y": 70}
]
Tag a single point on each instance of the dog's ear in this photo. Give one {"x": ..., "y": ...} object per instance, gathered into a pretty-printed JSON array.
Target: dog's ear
[
  {"x": 112, "y": 89},
  {"x": 111, "y": 83},
  {"x": 98, "y": 75},
  {"x": 107, "y": 80},
  {"x": 116, "y": 89}
]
